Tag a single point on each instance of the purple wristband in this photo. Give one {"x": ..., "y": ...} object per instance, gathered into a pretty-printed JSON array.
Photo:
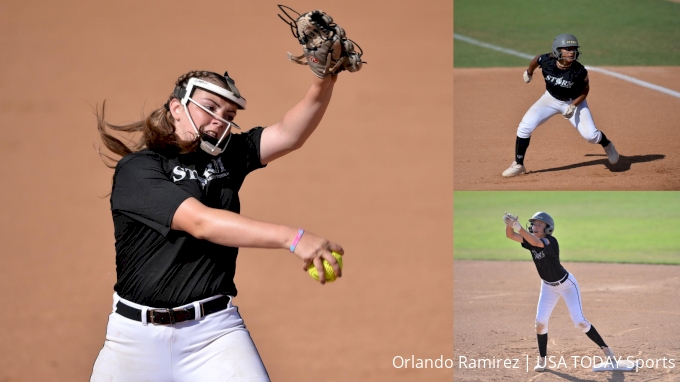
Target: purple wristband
[{"x": 297, "y": 239}]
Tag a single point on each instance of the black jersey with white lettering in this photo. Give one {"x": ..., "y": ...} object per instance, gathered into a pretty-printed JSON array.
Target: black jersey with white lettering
[
  {"x": 156, "y": 265},
  {"x": 563, "y": 84},
  {"x": 547, "y": 259}
]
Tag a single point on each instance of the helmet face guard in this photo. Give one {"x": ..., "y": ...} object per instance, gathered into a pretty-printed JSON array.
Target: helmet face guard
[
  {"x": 565, "y": 41},
  {"x": 209, "y": 144},
  {"x": 545, "y": 218}
]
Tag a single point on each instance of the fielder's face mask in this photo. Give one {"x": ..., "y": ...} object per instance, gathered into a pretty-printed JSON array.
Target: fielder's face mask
[
  {"x": 532, "y": 223},
  {"x": 210, "y": 144}
]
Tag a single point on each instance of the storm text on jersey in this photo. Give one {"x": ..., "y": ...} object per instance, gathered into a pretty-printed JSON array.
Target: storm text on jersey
[
  {"x": 559, "y": 81},
  {"x": 214, "y": 170},
  {"x": 537, "y": 255}
]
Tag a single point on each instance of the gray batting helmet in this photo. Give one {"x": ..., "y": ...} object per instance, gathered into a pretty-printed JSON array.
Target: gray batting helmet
[
  {"x": 545, "y": 218},
  {"x": 563, "y": 41}
]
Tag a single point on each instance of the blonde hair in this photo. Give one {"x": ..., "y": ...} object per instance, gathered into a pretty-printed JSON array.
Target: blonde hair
[{"x": 158, "y": 129}]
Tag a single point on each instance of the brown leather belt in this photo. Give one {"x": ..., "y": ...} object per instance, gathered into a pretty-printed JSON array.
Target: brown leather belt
[{"x": 169, "y": 316}]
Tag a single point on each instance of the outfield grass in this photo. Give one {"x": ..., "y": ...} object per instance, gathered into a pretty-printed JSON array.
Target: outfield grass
[
  {"x": 625, "y": 227},
  {"x": 611, "y": 32}
]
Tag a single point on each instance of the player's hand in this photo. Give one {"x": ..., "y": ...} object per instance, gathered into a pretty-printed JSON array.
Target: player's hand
[
  {"x": 569, "y": 112},
  {"x": 312, "y": 249},
  {"x": 527, "y": 76},
  {"x": 509, "y": 219}
]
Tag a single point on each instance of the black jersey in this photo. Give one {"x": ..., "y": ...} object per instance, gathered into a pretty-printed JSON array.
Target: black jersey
[
  {"x": 547, "y": 259},
  {"x": 563, "y": 84},
  {"x": 160, "y": 267}
]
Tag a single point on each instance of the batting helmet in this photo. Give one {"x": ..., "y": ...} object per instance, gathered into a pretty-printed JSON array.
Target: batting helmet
[
  {"x": 545, "y": 218},
  {"x": 563, "y": 41}
]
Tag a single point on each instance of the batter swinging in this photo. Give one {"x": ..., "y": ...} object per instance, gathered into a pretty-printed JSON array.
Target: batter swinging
[
  {"x": 567, "y": 87},
  {"x": 556, "y": 281}
]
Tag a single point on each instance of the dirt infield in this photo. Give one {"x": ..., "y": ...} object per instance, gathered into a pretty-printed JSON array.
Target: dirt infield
[
  {"x": 376, "y": 177},
  {"x": 641, "y": 122},
  {"x": 634, "y": 307}
]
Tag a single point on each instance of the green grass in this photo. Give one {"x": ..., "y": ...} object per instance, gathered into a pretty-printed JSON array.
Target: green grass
[
  {"x": 478, "y": 57},
  {"x": 625, "y": 227},
  {"x": 611, "y": 32}
]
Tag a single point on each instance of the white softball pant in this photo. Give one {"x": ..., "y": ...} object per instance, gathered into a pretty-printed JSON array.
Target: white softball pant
[
  {"x": 570, "y": 291},
  {"x": 216, "y": 347},
  {"x": 547, "y": 106}
]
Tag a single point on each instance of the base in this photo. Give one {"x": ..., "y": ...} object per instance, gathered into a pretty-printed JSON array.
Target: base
[{"x": 622, "y": 365}]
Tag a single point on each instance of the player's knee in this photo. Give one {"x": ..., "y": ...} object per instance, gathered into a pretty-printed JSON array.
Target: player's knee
[
  {"x": 524, "y": 132},
  {"x": 593, "y": 137},
  {"x": 541, "y": 327},
  {"x": 583, "y": 326}
]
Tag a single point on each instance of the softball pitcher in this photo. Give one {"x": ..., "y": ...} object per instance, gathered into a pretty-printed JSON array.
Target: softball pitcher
[
  {"x": 177, "y": 222},
  {"x": 567, "y": 87},
  {"x": 175, "y": 208},
  {"x": 556, "y": 282}
]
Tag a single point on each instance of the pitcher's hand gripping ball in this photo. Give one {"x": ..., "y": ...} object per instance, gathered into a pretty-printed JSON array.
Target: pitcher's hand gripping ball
[
  {"x": 324, "y": 46},
  {"x": 328, "y": 270}
]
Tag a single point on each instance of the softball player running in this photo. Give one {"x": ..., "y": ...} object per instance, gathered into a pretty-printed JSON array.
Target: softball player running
[
  {"x": 175, "y": 209},
  {"x": 567, "y": 87},
  {"x": 556, "y": 282}
]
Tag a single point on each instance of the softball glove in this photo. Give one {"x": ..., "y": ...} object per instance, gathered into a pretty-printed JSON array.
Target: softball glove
[{"x": 324, "y": 46}]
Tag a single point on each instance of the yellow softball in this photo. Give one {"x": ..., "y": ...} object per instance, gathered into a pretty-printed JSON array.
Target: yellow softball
[{"x": 329, "y": 272}]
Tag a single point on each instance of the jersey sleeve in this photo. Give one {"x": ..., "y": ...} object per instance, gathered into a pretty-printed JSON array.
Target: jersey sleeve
[
  {"x": 143, "y": 191},
  {"x": 525, "y": 244},
  {"x": 550, "y": 246},
  {"x": 251, "y": 145},
  {"x": 583, "y": 76},
  {"x": 542, "y": 59}
]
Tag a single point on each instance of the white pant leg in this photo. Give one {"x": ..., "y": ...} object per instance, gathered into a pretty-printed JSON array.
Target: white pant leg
[
  {"x": 571, "y": 293},
  {"x": 546, "y": 303},
  {"x": 582, "y": 120},
  {"x": 538, "y": 113},
  {"x": 134, "y": 352},
  {"x": 217, "y": 348}
]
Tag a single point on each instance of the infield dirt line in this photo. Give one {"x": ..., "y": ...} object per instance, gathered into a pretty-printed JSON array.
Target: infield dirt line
[
  {"x": 626, "y": 331},
  {"x": 624, "y": 77}
]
